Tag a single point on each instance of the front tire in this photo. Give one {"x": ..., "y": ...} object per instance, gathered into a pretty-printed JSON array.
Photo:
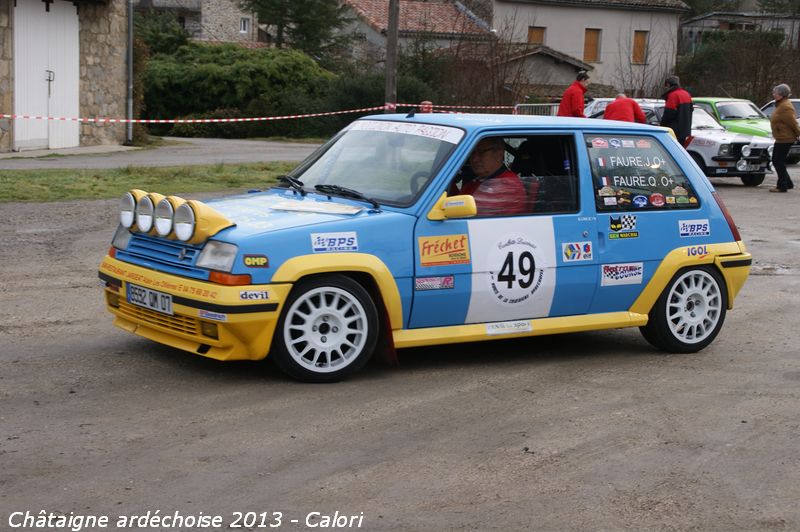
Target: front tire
[
  {"x": 689, "y": 313},
  {"x": 700, "y": 162},
  {"x": 752, "y": 180},
  {"x": 327, "y": 330}
]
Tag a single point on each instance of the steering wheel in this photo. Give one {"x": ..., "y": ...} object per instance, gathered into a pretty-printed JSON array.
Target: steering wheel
[{"x": 417, "y": 180}]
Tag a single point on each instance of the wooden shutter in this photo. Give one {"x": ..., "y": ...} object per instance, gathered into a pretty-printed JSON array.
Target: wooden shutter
[
  {"x": 591, "y": 45},
  {"x": 535, "y": 34},
  {"x": 639, "y": 47}
]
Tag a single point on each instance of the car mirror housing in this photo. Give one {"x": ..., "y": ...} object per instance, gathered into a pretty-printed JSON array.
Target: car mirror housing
[{"x": 462, "y": 206}]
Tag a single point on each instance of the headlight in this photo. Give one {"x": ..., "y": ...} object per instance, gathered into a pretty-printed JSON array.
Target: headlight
[
  {"x": 121, "y": 238},
  {"x": 164, "y": 213},
  {"x": 144, "y": 214},
  {"x": 746, "y": 150},
  {"x": 127, "y": 207},
  {"x": 769, "y": 150},
  {"x": 184, "y": 222},
  {"x": 724, "y": 149},
  {"x": 741, "y": 165},
  {"x": 217, "y": 256}
]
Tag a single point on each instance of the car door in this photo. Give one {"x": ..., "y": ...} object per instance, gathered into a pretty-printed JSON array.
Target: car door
[
  {"x": 642, "y": 197},
  {"x": 499, "y": 267}
]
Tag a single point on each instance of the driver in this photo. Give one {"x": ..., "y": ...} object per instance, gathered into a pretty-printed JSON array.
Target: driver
[{"x": 497, "y": 190}]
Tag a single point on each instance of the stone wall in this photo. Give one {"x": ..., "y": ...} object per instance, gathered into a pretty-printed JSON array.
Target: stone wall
[
  {"x": 103, "y": 69},
  {"x": 221, "y": 19},
  {"x": 6, "y": 75}
]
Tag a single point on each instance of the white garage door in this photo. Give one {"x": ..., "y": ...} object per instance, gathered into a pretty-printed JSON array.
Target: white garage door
[{"x": 46, "y": 73}]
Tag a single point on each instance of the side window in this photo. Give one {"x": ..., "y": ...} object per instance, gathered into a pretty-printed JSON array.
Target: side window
[
  {"x": 635, "y": 172},
  {"x": 767, "y": 110},
  {"x": 707, "y": 108},
  {"x": 520, "y": 175}
]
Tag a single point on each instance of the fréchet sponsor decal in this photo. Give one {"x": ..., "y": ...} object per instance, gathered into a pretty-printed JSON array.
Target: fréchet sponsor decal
[
  {"x": 619, "y": 274},
  {"x": 334, "y": 242},
  {"x": 443, "y": 250}
]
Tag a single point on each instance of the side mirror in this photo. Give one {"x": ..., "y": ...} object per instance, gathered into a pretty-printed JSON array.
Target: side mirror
[{"x": 453, "y": 207}]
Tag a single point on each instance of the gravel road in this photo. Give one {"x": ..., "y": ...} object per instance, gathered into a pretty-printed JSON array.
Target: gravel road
[{"x": 582, "y": 431}]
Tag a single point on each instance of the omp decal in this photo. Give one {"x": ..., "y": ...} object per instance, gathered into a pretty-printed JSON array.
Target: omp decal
[
  {"x": 618, "y": 274},
  {"x": 217, "y": 316},
  {"x": 700, "y": 252},
  {"x": 514, "y": 274},
  {"x": 443, "y": 250},
  {"x": 249, "y": 295},
  {"x": 689, "y": 228},
  {"x": 434, "y": 283},
  {"x": 576, "y": 251},
  {"x": 508, "y": 327},
  {"x": 334, "y": 242},
  {"x": 623, "y": 226},
  {"x": 256, "y": 261}
]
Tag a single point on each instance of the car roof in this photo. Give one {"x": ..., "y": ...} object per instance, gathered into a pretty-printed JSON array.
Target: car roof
[
  {"x": 473, "y": 122},
  {"x": 715, "y": 99}
]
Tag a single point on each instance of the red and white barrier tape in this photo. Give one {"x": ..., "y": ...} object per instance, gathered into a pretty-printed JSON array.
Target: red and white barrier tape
[{"x": 102, "y": 120}]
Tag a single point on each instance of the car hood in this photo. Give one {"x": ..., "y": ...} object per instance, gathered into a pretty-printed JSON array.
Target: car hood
[
  {"x": 759, "y": 127},
  {"x": 729, "y": 137},
  {"x": 262, "y": 212}
]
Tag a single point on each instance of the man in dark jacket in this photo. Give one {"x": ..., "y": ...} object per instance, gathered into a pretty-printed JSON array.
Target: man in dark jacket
[
  {"x": 678, "y": 109},
  {"x": 572, "y": 99}
]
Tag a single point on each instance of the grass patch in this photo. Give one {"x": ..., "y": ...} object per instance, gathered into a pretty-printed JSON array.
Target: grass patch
[{"x": 60, "y": 185}]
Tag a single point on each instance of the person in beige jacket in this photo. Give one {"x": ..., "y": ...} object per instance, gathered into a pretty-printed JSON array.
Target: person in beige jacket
[{"x": 786, "y": 132}]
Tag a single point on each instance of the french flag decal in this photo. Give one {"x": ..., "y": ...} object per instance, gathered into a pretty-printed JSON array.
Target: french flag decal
[
  {"x": 605, "y": 181},
  {"x": 601, "y": 161}
]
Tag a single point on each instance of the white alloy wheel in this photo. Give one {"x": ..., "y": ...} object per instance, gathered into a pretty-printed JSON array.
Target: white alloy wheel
[
  {"x": 694, "y": 306},
  {"x": 327, "y": 330},
  {"x": 690, "y": 311}
]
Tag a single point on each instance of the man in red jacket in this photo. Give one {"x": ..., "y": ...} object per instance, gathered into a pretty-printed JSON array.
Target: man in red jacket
[
  {"x": 572, "y": 100},
  {"x": 678, "y": 109},
  {"x": 497, "y": 190},
  {"x": 625, "y": 109}
]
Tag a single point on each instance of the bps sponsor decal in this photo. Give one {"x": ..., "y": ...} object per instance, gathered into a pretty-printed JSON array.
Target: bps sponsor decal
[
  {"x": 256, "y": 261},
  {"x": 334, "y": 242},
  {"x": 248, "y": 295},
  {"x": 619, "y": 274},
  {"x": 699, "y": 252},
  {"x": 689, "y": 228},
  {"x": 434, "y": 283},
  {"x": 577, "y": 251},
  {"x": 443, "y": 250},
  {"x": 216, "y": 316},
  {"x": 622, "y": 227}
]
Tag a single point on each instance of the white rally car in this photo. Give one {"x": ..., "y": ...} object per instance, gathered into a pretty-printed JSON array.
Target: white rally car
[{"x": 717, "y": 151}]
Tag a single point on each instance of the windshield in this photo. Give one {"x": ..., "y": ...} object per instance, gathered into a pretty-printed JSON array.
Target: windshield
[
  {"x": 389, "y": 162},
  {"x": 703, "y": 120},
  {"x": 738, "y": 110}
]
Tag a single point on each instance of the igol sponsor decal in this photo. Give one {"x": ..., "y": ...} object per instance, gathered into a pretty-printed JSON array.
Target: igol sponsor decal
[
  {"x": 697, "y": 251},
  {"x": 617, "y": 274},
  {"x": 434, "y": 283},
  {"x": 443, "y": 250},
  {"x": 256, "y": 261}
]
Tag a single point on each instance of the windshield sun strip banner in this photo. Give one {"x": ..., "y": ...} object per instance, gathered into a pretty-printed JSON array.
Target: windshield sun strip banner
[{"x": 451, "y": 135}]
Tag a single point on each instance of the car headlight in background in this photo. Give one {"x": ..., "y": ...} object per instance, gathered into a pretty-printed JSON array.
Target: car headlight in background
[
  {"x": 127, "y": 207},
  {"x": 741, "y": 165},
  {"x": 746, "y": 150},
  {"x": 769, "y": 150},
  {"x": 217, "y": 255},
  {"x": 725, "y": 149},
  {"x": 184, "y": 222}
]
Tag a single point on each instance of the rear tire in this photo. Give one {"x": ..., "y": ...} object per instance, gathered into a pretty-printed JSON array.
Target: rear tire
[
  {"x": 689, "y": 313},
  {"x": 793, "y": 160},
  {"x": 327, "y": 330},
  {"x": 752, "y": 180}
]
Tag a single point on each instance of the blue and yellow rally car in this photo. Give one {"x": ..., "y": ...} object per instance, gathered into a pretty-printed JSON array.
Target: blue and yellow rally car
[{"x": 371, "y": 239}]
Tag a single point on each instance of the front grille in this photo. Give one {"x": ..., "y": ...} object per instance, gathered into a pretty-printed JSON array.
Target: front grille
[
  {"x": 166, "y": 255},
  {"x": 736, "y": 149},
  {"x": 182, "y": 324}
]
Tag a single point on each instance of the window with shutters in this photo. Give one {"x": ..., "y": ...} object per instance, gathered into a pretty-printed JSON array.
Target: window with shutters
[
  {"x": 640, "y": 39},
  {"x": 591, "y": 45},
  {"x": 536, "y": 34}
]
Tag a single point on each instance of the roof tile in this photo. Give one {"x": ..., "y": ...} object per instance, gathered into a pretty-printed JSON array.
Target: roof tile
[{"x": 415, "y": 16}]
